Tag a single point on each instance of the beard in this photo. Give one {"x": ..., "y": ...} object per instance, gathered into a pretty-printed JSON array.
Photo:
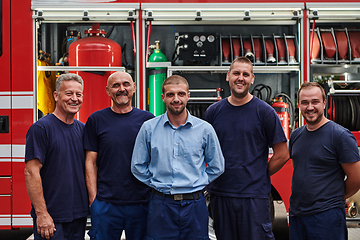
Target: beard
[
  {"x": 178, "y": 111},
  {"x": 314, "y": 121}
]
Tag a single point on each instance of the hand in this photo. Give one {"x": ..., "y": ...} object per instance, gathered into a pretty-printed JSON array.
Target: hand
[{"x": 45, "y": 225}]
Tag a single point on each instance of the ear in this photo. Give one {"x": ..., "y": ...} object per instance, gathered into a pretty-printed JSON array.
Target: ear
[
  {"x": 56, "y": 96},
  {"x": 253, "y": 79},
  {"x": 227, "y": 76},
  {"x": 163, "y": 97},
  {"x": 325, "y": 104},
  {"x": 134, "y": 87},
  {"x": 107, "y": 91}
]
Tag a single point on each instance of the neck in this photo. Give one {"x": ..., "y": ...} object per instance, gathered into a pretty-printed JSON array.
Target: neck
[
  {"x": 177, "y": 120},
  {"x": 315, "y": 126},
  {"x": 240, "y": 101},
  {"x": 66, "y": 118},
  {"x": 121, "y": 109}
]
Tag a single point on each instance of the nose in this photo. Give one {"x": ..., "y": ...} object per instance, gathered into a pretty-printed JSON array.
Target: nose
[
  {"x": 121, "y": 88},
  {"x": 176, "y": 98},
  {"x": 74, "y": 97},
  {"x": 241, "y": 76},
  {"x": 310, "y": 106}
]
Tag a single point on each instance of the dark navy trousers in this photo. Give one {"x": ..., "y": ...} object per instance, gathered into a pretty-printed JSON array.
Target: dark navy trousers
[
  {"x": 327, "y": 225},
  {"x": 109, "y": 220},
  {"x": 74, "y": 230},
  {"x": 177, "y": 220},
  {"x": 241, "y": 218}
]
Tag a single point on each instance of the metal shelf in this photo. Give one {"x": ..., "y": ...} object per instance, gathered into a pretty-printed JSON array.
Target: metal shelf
[
  {"x": 84, "y": 69},
  {"x": 326, "y": 69},
  {"x": 225, "y": 69}
]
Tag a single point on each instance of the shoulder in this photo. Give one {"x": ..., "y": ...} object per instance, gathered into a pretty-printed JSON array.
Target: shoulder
[
  {"x": 214, "y": 109},
  {"x": 335, "y": 127},
  {"x": 154, "y": 121},
  {"x": 79, "y": 124},
  {"x": 295, "y": 133},
  {"x": 145, "y": 114},
  {"x": 262, "y": 105},
  {"x": 100, "y": 112},
  {"x": 338, "y": 130},
  {"x": 201, "y": 124},
  {"x": 197, "y": 121},
  {"x": 218, "y": 105},
  {"x": 44, "y": 122}
]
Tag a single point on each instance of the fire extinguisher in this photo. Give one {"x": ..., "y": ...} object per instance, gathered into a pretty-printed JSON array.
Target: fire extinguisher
[
  {"x": 94, "y": 50},
  {"x": 157, "y": 76},
  {"x": 282, "y": 110}
]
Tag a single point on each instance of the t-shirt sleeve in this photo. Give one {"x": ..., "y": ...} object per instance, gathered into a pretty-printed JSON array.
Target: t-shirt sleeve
[
  {"x": 274, "y": 130},
  {"x": 36, "y": 144},
  {"x": 347, "y": 148},
  {"x": 90, "y": 136}
]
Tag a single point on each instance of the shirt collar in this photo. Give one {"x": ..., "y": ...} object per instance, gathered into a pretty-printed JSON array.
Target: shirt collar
[{"x": 189, "y": 120}]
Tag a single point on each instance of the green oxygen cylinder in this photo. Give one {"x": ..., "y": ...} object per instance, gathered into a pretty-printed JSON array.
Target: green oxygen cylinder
[{"x": 156, "y": 78}]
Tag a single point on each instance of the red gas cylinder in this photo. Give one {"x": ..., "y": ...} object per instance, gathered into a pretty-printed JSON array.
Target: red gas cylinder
[
  {"x": 282, "y": 110},
  {"x": 94, "y": 50}
]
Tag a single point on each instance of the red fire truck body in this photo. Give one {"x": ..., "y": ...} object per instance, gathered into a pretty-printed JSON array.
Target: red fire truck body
[{"x": 20, "y": 47}]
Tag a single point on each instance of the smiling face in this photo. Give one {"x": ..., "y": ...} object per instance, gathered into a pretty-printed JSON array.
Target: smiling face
[
  {"x": 240, "y": 78},
  {"x": 120, "y": 88},
  {"x": 69, "y": 97},
  {"x": 312, "y": 105},
  {"x": 175, "y": 97}
]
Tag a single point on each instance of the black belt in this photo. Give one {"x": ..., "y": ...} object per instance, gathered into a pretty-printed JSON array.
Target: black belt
[{"x": 180, "y": 197}]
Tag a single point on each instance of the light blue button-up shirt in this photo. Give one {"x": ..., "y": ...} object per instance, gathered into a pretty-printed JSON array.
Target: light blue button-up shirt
[{"x": 177, "y": 160}]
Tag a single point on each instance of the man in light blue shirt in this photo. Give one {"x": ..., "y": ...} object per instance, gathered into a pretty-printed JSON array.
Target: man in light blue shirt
[{"x": 177, "y": 155}]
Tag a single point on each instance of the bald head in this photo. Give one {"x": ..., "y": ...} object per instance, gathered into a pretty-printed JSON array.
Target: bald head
[{"x": 121, "y": 75}]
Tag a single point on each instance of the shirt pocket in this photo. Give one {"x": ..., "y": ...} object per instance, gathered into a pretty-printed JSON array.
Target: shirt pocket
[{"x": 193, "y": 152}]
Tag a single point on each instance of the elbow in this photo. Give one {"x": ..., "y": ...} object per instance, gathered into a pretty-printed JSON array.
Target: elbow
[{"x": 28, "y": 172}]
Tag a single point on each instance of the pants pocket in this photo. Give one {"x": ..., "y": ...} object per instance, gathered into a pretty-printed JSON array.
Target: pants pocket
[
  {"x": 268, "y": 230},
  {"x": 93, "y": 234}
]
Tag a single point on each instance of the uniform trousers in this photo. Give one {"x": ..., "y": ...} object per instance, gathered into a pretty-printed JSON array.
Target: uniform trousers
[
  {"x": 327, "y": 225},
  {"x": 171, "y": 219},
  {"x": 241, "y": 218}
]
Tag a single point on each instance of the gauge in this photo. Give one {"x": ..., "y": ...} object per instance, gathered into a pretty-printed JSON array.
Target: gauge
[
  {"x": 196, "y": 38},
  {"x": 202, "y": 38},
  {"x": 211, "y": 38}
]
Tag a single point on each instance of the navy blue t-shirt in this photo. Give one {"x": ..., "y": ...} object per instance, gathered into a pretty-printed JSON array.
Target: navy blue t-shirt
[
  {"x": 59, "y": 147},
  {"x": 112, "y": 136},
  {"x": 318, "y": 178},
  {"x": 245, "y": 133}
]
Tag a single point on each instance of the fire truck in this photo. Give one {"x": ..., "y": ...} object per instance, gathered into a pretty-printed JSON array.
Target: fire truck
[{"x": 289, "y": 42}]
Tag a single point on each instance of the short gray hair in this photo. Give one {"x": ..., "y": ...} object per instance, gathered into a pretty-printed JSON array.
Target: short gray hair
[{"x": 68, "y": 77}]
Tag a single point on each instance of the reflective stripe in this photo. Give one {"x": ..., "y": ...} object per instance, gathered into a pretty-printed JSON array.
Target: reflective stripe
[
  {"x": 16, "y": 100},
  {"x": 18, "y": 151},
  {"x": 4, "y": 102},
  {"x": 22, "y": 220},
  {"x": 22, "y": 102},
  {"x": 5, "y": 150},
  {"x": 5, "y": 220},
  {"x": 4, "y": 160}
]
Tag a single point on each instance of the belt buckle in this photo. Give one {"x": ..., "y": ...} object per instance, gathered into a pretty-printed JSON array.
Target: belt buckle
[{"x": 178, "y": 197}]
